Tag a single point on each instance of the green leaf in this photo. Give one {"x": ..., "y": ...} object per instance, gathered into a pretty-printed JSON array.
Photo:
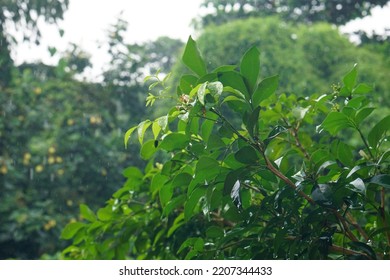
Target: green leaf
[
  {"x": 382, "y": 180},
  {"x": 206, "y": 169},
  {"x": 207, "y": 128},
  {"x": 250, "y": 68},
  {"x": 187, "y": 83},
  {"x": 202, "y": 92},
  {"x": 358, "y": 185},
  {"x": 265, "y": 89},
  {"x": 193, "y": 201},
  {"x": 71, "y": 229},
  {"x": 132, "y": 173},
  {"x": 247, "y": 155},
  {"x": 377, "y": 132},
  {"x": 166, "y": 193},
  {"x": 344, "y": 154},
  {"x": 216, "y": 89},
  {"x": 142, "y": 127},
  {"x": 234, "y": 80},
  {"x": 192, "y": 58},
  {"x": 87, "y": 213},
  {"x": 252, "y": 122},
  {"x": 362, "y": 114},
  {"x": 128, "y": 134},
  {"x": 362, "y": 89},
  {"x": 335, "y": 121},
  {"x": 104, "y": 214},
  {"x": 349, "y": 79},
  {"x": 215, "y": 232},
  {"x": 148, "y": 149},
  {"x": 174, "y": 141},
  {"x": 278, "y": 129}
]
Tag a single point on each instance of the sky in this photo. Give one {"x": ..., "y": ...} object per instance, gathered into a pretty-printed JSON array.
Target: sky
[{"x": 86, "y": 23}]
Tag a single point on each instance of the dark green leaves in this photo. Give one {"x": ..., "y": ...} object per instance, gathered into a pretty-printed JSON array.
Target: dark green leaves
[
  {"x": 192, "y": 58},
  {"x": 377, "y": 132},
  {"x": 247, "y": 155}
]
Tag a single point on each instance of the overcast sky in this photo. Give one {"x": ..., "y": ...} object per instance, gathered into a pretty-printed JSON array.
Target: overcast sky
[{"x": 87, "y": 21}]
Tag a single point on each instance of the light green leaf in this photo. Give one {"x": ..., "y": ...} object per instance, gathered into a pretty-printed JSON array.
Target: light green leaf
[
  {"x": 362, "y": 114},
  {"x": 87, "y": 213},
  {"x": 148, "y": 149},
  {"x": 362, "y": 89},
  {"x": 265, "y": 89},
  {"x": 192, "y": 58},
  {"x": 142, "y": 127},
  {"x": 202, "y": 92},
  {"x": 349, "y": 79},
  {"x": 71, "y": 229},
  {"x": 174, "y": 141},
  {"x": 128, "y": 134},
  {"x": 187, "y": 83}
]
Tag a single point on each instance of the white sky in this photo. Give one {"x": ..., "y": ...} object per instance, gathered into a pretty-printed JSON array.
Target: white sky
[{"x": 86, "y": 23}]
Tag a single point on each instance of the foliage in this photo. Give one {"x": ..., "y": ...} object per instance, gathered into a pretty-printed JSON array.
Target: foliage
[
  {"x": 296, "y": 178},
  {"x": 336, "y": 12},
  {"x": 26, "y": 14},
  {"x": 307, "y": 58},
  {"x": 60, "y": 140}
]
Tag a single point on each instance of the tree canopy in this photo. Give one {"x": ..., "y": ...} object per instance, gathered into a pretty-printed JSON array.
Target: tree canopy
[{"x": 336, "y": 12}]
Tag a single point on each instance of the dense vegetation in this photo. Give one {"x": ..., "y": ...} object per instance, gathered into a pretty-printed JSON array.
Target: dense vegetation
[
  {"x": 285, "y": 182},
  {"x": 265, "y": 146}
]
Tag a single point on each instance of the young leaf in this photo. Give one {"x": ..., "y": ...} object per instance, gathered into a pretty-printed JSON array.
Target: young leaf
[
  {"x": 71, "y": 229},
  {"x": 192, "y": 58},
  {"x": 142, "y": 127},
  {"x": 250, "y": 68},
  {"x": 128, "y": 134},
  {"x": 349, "y": 80},
  {"x": 265, "y": 89},
  {"x": 87, "y": 213}
]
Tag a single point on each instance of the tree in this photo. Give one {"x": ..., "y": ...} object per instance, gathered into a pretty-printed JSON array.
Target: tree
[
  {"x": 27, "y": 14},
  {"x": 297, "y": 178},
  {"x": 335, "y": 12}
]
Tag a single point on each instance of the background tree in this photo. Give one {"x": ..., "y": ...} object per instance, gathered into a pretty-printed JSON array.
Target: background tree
[
  {"x": 25, "y": 14},
  {"x": 335, "y": 12}
]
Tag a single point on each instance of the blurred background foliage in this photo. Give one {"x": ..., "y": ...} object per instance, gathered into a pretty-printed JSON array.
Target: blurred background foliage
[{"x": 61, "y": 137}]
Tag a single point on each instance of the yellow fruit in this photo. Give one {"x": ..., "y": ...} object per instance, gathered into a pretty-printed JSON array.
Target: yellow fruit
[{"x": 39, "y": 168}]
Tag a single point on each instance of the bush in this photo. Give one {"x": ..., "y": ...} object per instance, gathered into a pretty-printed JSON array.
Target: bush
[{"x": 296, "y": 178}]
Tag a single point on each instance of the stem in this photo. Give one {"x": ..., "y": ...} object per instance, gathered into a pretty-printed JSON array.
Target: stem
[
  {"x": 345, "y": 251},
  {"x": 365, "y": 143}
]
